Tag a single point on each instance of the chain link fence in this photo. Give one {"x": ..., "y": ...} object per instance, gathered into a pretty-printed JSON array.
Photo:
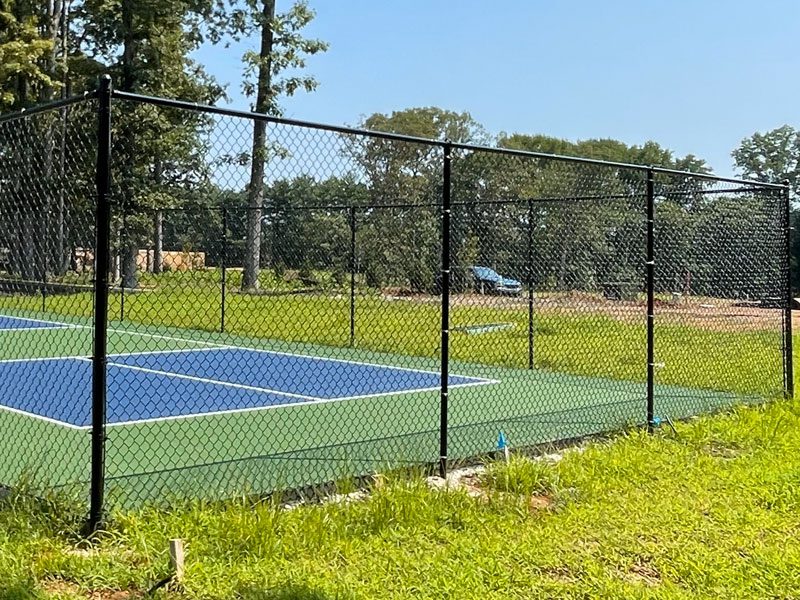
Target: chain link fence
[{"x": 288, "y": 304}]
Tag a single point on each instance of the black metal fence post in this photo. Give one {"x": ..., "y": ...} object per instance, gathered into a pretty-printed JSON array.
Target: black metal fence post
[
  {"x": 445, "y": 277},
  {"x": 529, "y": 259},
  {"x": 788, "y": 345},
  {"x": 123, "y": 249},
  {"x": 100, "y": 342},
  {"x": 651, "y": 270},
  {"x": 223, "y": 266},
  {"x": 352, "y": 276},
  {"x": 44, "y": 266}
]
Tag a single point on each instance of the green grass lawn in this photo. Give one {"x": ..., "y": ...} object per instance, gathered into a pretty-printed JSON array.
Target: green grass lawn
[{"x": 709, "y": 512}]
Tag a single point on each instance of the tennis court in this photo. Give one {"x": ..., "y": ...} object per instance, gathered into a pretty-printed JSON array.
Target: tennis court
[{"x": 189, "y": 411}]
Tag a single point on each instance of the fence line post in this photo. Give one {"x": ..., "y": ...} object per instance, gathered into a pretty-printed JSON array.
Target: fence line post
[
  {"x": 100, "y": 342},
  {"x": 224, "y": 267},
  {"x": 123, "y": 247},
  {"x": 529, "y": 259},
  {"x": 352, "y": 276},
  {"x": 445, "y": 343},
  {"x": 44, "y": 263},
  {"x": 788, "y": 345},
  {"x": 651, "y": 269}
]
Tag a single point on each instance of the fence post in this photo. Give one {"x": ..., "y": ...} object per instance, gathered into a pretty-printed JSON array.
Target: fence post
[
  {"x": 223, "y": 266},
  {"x": 102, "y": 262},
  {"x": 352, "y": 276},
  {"x": 529, "y": 259},
  {"x": 445, "y": 343},
  {"x": 123, "y": 247},
  {"x": 651, "y": 269},
  {"x": 788, "y": 345}
]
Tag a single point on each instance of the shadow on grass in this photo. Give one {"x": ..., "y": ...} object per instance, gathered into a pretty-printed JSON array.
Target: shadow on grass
[
  {"x": 17, "y": 591},
  {"x": 288, "y": 591}
]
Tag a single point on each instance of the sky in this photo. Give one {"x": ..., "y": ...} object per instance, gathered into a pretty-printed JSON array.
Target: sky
[{"x": 695, "y": 76}]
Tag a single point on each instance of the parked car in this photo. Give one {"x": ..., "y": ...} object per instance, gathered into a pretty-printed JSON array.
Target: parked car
[{"x": 489, "y": 281}]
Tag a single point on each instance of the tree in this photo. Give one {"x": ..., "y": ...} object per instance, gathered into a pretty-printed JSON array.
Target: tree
[
  {"x": 147, "y": 45},
  {"x": 592, "y": 232},
  {"x": 771, "y": 157},
  {"x": 774, "y": 157},
  {"x": 34, "y": 48},
  {"x": 281, "y": 48},
  {"x": 400, "y": 246}
]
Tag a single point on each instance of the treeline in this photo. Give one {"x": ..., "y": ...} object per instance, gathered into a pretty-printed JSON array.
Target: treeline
[
  {"x": 560, "y": 225},
  {"x": 556, "y": 224}
]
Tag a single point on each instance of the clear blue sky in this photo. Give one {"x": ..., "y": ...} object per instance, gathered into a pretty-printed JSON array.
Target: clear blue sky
[{"x": 695, "y": 76}]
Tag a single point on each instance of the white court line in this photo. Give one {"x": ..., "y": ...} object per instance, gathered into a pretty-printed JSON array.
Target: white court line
[
  {"x": 217, "y": 346},
  {"x": 34, "y": 328},
  {"x": 40, "y": 321},
  {"x": 174, "y": 351},
  {"x": 241, "y": 386},
  {"x": 17, "y": 411},
  {"x": 307, "y": 400},
  {"x": 43, "y": 358},
  {"x": 279, "y": 406}
]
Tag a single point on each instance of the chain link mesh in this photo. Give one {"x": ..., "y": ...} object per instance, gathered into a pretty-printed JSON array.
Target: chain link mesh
[
  {"x": 47, "y": 206},
  {"x": 279, "y": 325},
  {"x": 720, "y": 285}
]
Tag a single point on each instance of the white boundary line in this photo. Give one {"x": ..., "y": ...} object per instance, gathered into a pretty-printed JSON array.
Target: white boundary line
[
  {"x": 34, "y": 328},
  {"x": 240, "y": 386},
  {"x": 40, "y": 321},
  {"x": 307, "y": 400},
  {"x": 66, "y": 424},
  {"x": 174, "y": 351},
  {"x": 279, "y": 406},
  {"x": 43, "y": 358}
]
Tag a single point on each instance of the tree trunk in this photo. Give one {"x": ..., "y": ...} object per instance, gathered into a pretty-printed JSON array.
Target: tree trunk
[
  {"x": 61, "y": 257},
  {"x": 129, "y": 248},
  {"x": 158, "y": 241},
  {"x": 255, "y": 193},
  {"x": 158, "y": 219},
  {"x": 130, "y": 253}
]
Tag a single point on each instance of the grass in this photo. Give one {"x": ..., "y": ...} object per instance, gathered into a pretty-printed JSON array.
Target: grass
[
  {"x": 583, "y": 342},
  {"x": 711, "y": 512}
]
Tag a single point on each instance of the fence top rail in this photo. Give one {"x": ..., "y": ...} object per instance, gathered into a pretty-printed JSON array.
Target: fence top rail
[
  {"x": 711, "y": 177},
  {"x": 42, "y": 108},
  {"x": 198, "y": 107},
  {"x": 207, "y": 108}
]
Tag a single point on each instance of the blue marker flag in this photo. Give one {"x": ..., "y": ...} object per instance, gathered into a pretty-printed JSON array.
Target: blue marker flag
[{"x": 501, "y": 441}]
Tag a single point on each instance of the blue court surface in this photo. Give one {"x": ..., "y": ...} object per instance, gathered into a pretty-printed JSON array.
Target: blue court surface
[
  {"x": 152, "y": 386},
  {"x": 19, "y": 324}
]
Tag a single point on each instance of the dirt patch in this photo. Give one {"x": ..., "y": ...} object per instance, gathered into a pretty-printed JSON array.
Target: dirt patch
[
  {"x": 712, "y": 314},
  {"x": 537, "y": 503},
  {"x": 642, "y": 572},
  {"x": 560, "y": 574},
  {"x": 60, "y": 586},
  {"x": 720, "y": 450}
]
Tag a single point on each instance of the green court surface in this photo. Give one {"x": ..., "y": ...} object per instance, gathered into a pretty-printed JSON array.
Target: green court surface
[{"x": 301, "y": 443}]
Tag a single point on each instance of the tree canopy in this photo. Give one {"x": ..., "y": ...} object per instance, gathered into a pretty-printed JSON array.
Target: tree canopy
[{"x": 167, "y": 159}]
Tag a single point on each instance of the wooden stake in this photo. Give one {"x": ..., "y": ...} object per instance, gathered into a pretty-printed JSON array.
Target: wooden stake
[{"x": 176, "y": 559}]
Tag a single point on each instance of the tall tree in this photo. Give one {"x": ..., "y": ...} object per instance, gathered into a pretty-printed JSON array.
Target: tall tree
[
  {"x": 281, "y": 47},
  {"x": 148, "y": 43},
  {"x": 401, "y": 245},
  {"x": 22, "y": 50},
  {"x": 773, "y": 156}
]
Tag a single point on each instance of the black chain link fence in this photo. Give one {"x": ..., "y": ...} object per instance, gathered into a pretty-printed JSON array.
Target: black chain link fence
[{"x": 290, "y": 304}]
